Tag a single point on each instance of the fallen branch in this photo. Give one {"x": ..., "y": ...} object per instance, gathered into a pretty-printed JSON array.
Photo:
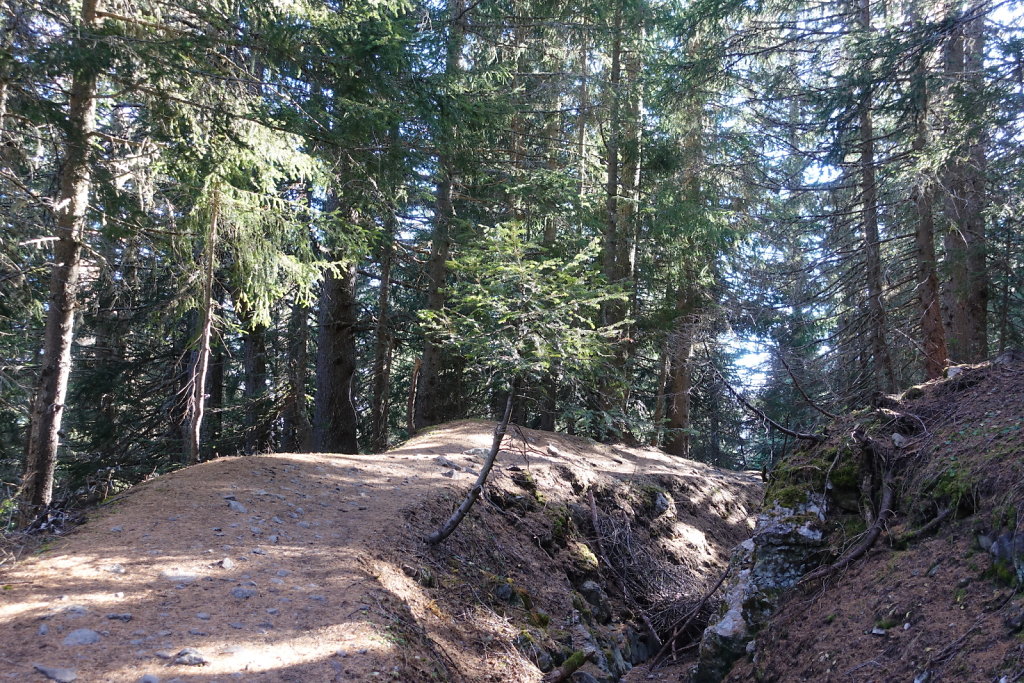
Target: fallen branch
[
  {"x": 764, "y": 418},
  {"x": 460, "y": 513},
  {"x": 796, "y": 383},
  {"x": 618, "y": 579},
  {"x": 921, "y": 531},
  {"x": 684, "y": 623},
  {"x": 568, "y": 667}
]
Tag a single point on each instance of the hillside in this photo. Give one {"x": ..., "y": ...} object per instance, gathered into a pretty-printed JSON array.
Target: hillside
[
  {"x": 293, "y": 567},
  {"x": 935, "y": 477}
]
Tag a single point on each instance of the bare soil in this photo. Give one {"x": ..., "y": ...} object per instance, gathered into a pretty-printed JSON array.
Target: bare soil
[{"x": 311, "y": 567}]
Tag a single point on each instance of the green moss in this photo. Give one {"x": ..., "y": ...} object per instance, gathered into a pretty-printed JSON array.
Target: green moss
[
  {"x": 886, "y": 623},
  {"x": 846, "y": 474},
  {"x": 586, "y": 557},
  {"x": 539, "y": 618}
]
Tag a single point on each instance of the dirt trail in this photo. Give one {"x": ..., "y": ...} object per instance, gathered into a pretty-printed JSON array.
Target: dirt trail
[{"x": 281, "y": 567}]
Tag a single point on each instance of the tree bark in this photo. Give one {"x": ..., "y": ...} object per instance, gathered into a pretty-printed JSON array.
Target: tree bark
[
  {"x": 965, "y": 295},
  {"x": 199, "y": 367},
  {"x": 882, "y": 370},
  {"x": 254, "y": 371},
  {"x": 382, "y": 350},
  {"x": 677, "y": 441},
  {"x": 335, "y": 417},
  {"x": 428, "y": 406},
  {"x": 70, "y": 207},
  {"x": 933, "y": 335},
  {"x": 297, "y": 430}
]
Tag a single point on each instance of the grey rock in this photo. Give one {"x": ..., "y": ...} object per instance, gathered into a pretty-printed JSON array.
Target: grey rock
[
  {"x": 82, "y": 636},
  {"x": 43, "y": 629},
  {"x": 283, "y": 572},
  {"x": 190, "y": 657},
  {"x": 56, "y": 673},
  {"x": 74, "y": 611},
  {"x": 583, "y": 677},
  {"x": 505, "y": 593},
  {"x": 237, "y": 507},
  {"x": 178, "y": 576},
  {"x": 662, "y": 504},
  {"x": 202, "y": 615},
  {"x": 149, "y": 678},
  {"x": 124, "y": 616},
  {"x": 115, "y": 569},
  {"x": 117, "y": 529},
  {"x": 236, "y": 624},
  {"x": 164, "y": 654},
  {"x": 477, "y": 451},
  {"x": 1015, "y": 623},
  {"x": 259, "y": 551},
  {"x": 197, "y": 632},
  {"x": 227, "y": 563},
  {"x": 242, "y": 593}
]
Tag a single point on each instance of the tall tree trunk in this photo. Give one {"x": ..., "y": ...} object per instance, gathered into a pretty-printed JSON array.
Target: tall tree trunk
[
  {"x": 335, "y": 419},
  {"x": 933, "y": 336},
  {"x": 199, "y": 367},
  {"x": 254, "y": 372},
  {"x": 70, "y": 207},
  {"x": 382, "y": 350},
  {"x": 677, "y": 392},
  {"x": 297, "y": 430},
  {"x": 883, "y": 372},
  {"x": 428, "y": 405},
  {"x": 965, "y": 295}
]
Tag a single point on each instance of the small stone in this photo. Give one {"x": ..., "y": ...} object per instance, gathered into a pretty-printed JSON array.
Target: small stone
[
  {"x": 55, "y": 673},
  {"x": 341, "y": 653},
  {"x": 283, "y": 572},
  {"x": 272, "y": 538},
  {"x": 237, "y": 507},
  {"x": 878, "y": 631},
  {"x": 115, "y": 569},
  {"x": 202, "y": 615},
  {"x": 125, "y": 616},
  {"x": 236, "y": 624},
  {"x": 259, "y": 551},
  {"x": 272, "y": 611},
  {"x": 242, "y": 593},
  {"x": 227, "y": 563},
  {"x": 197, "y": 632},
  {"x": 177, "y": 576},
  {"x": 82, "y": 636},
  {"x": 75, "y": 611},
  {"x": 190, "y": 657},
  {"x": 43, "y": 629},
  {"x": 117, "y": 529},
  {"x": 304, "y": 524},
  {"x": 149, "y": 678}
]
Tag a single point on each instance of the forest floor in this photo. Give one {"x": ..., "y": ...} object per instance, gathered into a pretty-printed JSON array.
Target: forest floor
[
  {"x": 289, "y": 567},
  {"x": 944, "y": 605}
]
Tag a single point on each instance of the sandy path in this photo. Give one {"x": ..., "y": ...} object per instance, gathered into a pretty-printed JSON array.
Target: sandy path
[{"x": 296, "y": 588}]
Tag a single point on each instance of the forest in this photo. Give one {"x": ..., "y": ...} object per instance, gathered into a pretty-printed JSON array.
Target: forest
[{"x": 239, "y": 227}]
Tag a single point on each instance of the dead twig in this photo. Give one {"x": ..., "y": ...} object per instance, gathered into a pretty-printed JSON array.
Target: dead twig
[
  {"x": 760, "y": 413},
  {"x": 684, "y": 623}
]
